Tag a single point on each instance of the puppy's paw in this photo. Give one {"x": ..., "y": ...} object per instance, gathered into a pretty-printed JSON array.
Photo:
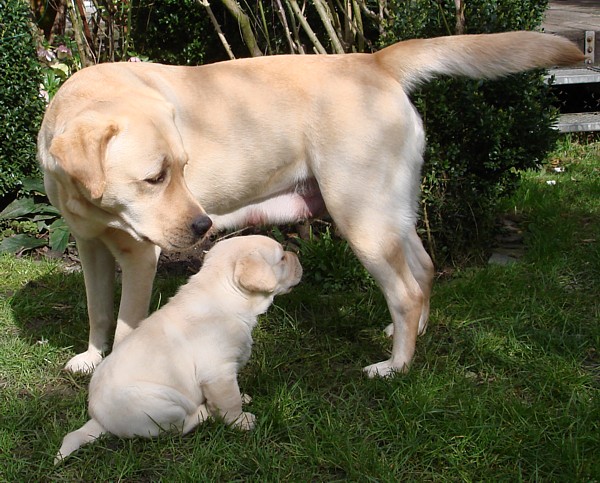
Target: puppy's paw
[
  {"x": 389, "y": 330},
  {"x": 246, "y": 398},
  {"x": 385, "y": 369},
  {"x": 84, "y": 363},
  {"x": 245, "y": 421},
  {"x": 58, "y": 459}
]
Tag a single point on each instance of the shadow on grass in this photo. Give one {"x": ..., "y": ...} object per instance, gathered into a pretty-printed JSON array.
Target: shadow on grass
[{"x": 52, "y": 308}]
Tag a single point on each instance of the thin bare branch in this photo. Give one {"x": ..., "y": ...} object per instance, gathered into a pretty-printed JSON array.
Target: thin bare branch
[
  {"x": 217, "y": 27},
  {"x": 325, "y": 15},
  {"x": 282, "y": 16},
  {"x": 460, "y": 16},
  {"x": 306, "y": 27},
  {"x": 85, "y": 52},
  {"x": 245, "y": 26}
]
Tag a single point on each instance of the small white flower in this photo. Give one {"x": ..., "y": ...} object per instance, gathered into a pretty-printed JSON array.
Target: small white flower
[
  {"x": 551, "y": 182},
  {"x": 44, "y": 93}
]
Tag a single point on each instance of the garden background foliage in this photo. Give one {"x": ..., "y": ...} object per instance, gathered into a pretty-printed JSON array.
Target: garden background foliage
[
  {"x": 21, "y": 106},
  {"x": 480, "y": 134}
]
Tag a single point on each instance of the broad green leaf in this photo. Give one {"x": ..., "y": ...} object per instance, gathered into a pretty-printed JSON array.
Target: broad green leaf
[
  {"x": 22, "y": 207},
  {"x": 46, "y": 208},
  {"x": 59, "y": 235},
  {"x": 18, "y": 208},
  {"x": 34, "y": 184},
  {"x": 17, "y": 243}
]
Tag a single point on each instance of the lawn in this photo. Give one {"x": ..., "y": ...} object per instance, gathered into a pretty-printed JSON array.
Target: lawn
[{"x": 505, "y": 385}]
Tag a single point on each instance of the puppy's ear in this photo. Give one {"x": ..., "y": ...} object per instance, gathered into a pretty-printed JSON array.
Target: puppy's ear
[
  {"x": 80, "y": 152},
  {"x": 254, "y": 274}
]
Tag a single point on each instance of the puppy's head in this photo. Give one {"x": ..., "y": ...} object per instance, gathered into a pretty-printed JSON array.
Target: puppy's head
[{"x": 260, "y": 265}]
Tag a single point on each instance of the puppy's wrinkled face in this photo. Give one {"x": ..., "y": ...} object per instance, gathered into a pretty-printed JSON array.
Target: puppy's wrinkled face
[{"x": 260, "y": 264}]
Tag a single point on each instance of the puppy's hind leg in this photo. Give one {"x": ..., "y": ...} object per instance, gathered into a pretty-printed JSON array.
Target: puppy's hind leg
[
  {"x": 71, "y": 442},
  {"x": 192, "y": 420},
  {"x": 224, "y": 400}
]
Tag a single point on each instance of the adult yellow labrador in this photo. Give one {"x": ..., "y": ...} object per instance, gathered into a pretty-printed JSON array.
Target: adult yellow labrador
[
  {"x": 141, "y": 157},
  {"x": 180, "y": 367}
]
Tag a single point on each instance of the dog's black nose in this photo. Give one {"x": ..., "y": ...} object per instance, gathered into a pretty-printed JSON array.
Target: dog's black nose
[{"x": 201, "y": 225}]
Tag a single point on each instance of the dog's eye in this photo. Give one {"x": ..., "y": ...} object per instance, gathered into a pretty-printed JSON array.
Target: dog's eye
[{"x": 157, "y": 179}]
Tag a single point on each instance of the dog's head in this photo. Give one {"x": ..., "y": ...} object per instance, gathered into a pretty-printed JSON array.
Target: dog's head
[
  {"x": 255, "y": 265},
  {"x": 126, "y": 161}
]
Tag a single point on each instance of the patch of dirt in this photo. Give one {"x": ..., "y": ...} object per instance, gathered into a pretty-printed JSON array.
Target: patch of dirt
[
  {"x": 509, "y": 245},
  {"x": 180, "y": 263}
]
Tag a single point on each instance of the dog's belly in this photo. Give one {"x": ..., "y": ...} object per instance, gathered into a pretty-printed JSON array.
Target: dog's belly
[{"x": 299, "y": 203}]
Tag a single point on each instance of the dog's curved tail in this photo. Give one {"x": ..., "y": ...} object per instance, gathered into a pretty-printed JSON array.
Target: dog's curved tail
[
  {"x": 86, "y": 434},
  {"x": 482, "y": 56}
]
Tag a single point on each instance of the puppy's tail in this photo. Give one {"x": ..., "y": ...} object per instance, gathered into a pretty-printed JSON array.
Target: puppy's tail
[
  {"x": 87, "y": 433},
  {"x": 483, "y": 56}
]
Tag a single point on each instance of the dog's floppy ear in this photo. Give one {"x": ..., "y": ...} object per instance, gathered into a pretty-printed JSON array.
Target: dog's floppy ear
[
  {"x": 80, "y": 152},
  {"x": 254, "y": 274}
]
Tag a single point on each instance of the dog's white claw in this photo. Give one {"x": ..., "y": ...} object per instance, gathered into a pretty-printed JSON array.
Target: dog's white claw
[
  {"x": 246, "y": 398},
  {"x": 245, "y": 421},
  {"x": 84, "y": 363},
  {"x": 384, "y": 369}
]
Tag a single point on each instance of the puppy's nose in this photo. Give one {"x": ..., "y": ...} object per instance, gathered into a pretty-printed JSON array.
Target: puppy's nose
[{"x": 201, "y": 225}]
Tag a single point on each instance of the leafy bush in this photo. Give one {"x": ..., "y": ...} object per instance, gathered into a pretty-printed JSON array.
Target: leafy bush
[
  {"x": 479, "y": 134},
  {"x": 31, "y": 222},
  {"x": 172, "y": 31},
  {"x": 329, "y": 264},
  {"x": 21, "y": 107}
]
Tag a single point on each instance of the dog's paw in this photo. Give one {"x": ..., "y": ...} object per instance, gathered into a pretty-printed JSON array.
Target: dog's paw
[
  {"x": 246, "y": 398},
  {"x": 245, "y": 421},
  {"x": 385, "y": 369},
  {"x": 389, "y": 330},
  {"x": 84, "y": 363}
]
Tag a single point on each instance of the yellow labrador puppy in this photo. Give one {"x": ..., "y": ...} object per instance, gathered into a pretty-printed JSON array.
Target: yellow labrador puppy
[
  {"x": 180, "y": 366},
  {"x": 141, "y": 156}
]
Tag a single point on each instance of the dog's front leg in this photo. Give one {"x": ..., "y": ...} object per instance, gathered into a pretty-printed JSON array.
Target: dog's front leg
[
  {"x": 224, "y": 400},
  {"x": 99, "y": 274},
  {"x": 138, "y": 261}
]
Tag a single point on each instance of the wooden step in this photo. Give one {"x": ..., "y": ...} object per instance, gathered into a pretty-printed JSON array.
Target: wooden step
[
  {"x": 579, "y": 122},
  {"x": 583, "y": 75}
]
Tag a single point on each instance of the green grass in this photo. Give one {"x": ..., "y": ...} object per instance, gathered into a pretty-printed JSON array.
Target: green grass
[{"x": 505, "y": 385}]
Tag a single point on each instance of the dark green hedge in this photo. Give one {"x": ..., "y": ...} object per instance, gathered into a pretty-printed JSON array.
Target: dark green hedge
[
  {"x": 173, "y": 31},
  {"x": 479, "y": 134},
  {"x": 21, "y": 107}
]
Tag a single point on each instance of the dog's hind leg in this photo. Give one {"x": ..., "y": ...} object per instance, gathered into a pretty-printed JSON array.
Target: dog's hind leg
[
  {"x": 99, "y": 273},
  {"x": 382, "y": 235},
  {"x": 71, "y": 442},
  {"x": 387, "y": 261},
  {"x": 422, "y": 268}
]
